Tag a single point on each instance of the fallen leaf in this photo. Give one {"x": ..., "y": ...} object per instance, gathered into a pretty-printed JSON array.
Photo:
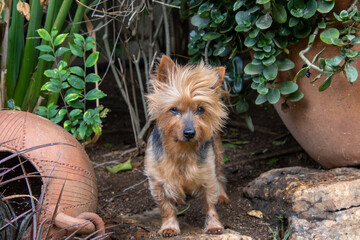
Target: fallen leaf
[
  {"x": 255, "y": 213},
  {"x": 125, "y": 166}
]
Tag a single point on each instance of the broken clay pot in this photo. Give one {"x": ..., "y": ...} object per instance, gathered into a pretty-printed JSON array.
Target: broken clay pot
[{"x": 68, "y": 177}]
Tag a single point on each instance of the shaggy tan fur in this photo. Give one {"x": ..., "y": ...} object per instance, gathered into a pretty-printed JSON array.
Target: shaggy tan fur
[{"x": 186, "y": 99}]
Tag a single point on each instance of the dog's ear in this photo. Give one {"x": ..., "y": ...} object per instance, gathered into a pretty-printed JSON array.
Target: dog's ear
[
  {"x": 166, "y": 67},
  {"x": 221, "y": 74}
]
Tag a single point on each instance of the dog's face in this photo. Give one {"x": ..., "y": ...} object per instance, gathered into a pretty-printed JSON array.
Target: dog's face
[{"x": 185, "y": 101}]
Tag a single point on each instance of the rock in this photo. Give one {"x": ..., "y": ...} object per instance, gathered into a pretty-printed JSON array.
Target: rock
[
  {"x": 150, "y": 221},
  {"x": 255, "y": 213},
  {"x": 227, "y": 235},
  {"x": 320, "y": 204}
]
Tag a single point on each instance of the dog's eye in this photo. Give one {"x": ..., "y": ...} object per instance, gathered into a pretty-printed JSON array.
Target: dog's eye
[
  {"x": 174, "y": 111},
  {"x": 200, "y": 110}
]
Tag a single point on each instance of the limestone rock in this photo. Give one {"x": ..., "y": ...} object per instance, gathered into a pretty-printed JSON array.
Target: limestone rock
[{"x": 320, "y": 204}]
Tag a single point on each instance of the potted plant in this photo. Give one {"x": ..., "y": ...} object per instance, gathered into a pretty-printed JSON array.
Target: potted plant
[{"x": 299, "y": 48}]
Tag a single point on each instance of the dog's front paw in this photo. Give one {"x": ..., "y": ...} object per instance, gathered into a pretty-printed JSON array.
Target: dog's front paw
[
  {"x": 214, "y": 230},
  {"x": 169, "y": 232},
  {"x": 213, "y": 226}
]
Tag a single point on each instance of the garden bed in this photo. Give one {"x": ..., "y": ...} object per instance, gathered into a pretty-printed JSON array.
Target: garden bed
[{"x": 125, "y": 202}]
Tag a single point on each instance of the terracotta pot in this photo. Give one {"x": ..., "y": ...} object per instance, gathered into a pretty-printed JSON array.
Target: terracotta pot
[
  {"x": 62, "y": 165},
  {"x": 326, "y": 124}
]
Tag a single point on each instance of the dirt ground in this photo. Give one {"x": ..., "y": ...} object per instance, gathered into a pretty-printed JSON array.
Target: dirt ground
[{"x": 125, "y": 202}]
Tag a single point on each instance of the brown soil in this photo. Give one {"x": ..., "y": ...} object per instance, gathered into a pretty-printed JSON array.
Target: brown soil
[{"x": 125, "y": 202}]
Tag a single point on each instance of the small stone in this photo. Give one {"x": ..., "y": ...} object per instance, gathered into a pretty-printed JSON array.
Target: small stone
[{"x": 255, "y": 213}]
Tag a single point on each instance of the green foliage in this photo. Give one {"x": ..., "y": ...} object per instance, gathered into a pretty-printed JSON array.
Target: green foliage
[
  {"x": 12, "y": 106},
  {"x": 216, "y": 40},
  {"x": 25, "y": 71},
  {"x": 226, "y": 29},
  {"x": 70, "y": 83},
  {"x": 281, "y": 233}
]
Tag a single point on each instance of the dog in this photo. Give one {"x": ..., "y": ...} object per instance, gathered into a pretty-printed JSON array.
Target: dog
[{"x": 184, "y": 154}]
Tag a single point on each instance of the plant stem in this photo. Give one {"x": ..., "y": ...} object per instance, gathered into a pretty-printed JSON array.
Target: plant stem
[
  {"x": 29, "y": 60},
  {"x": 116, "y": 76},
  {"x": 151, "y": 32},
  {"x": 132, "y": 115},
  {"x": 310, "y": 44},
  {"x": 84, "y": 60},
  {"x": 61, "y": 82},
  {"x": 138, "y": 72},
  {"x": 33, "y": 93},
  {"x": 60, "y": 18},
  {"x": 206, "y": 52},
  {"x": 33, "y": 206},
  {"x": 352, "y": 5},
  {"x": 133, "y": 87},
  {"x": 75, "y": 27},
  {"x": 15, "y": 49},
  {"x": 59, "y": 21},
  {"x": 167, "y": 30},
  {"x": 4, "y": 48}
]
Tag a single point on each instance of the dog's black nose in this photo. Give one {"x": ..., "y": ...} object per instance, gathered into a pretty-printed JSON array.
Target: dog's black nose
[{"x": 189, "y": 133}]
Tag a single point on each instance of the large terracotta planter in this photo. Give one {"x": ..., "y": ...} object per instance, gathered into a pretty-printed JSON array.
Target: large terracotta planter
[
  {"x": 326, "y": 124},
  {"x": 63, "y": 165}
]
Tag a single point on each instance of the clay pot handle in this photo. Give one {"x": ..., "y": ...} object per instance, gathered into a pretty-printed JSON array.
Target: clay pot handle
[
  {"x": 72, "y": 224},
  {"x": 96, "y": 220}
]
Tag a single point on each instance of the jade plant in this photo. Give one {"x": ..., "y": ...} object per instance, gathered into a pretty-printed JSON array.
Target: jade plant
[
  {"x": 72, "y": 84},
  {"x": 266, "y": 29}
]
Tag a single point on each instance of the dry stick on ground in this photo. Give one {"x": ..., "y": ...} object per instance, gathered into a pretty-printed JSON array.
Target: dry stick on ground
[
  {"x": 136, "y": 184},
  {"x": 265, "y": 156},
  {"x": 126, "y": 189},
  {"x": 257, "y": 128},
  {"x": 115, "y": 153}
]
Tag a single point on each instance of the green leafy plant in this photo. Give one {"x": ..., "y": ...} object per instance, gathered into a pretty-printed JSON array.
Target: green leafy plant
[
  {"x": 281, "y": 233},
  {"x": 70, "y": 83},
  {"x": 216, "y": 41},
  {"x": 22, "y": 72},
  {"x": 226, "y": 29}
]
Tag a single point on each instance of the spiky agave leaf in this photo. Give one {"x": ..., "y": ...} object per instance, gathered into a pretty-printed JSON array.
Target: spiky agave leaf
[{"x": 7, "y": 226}]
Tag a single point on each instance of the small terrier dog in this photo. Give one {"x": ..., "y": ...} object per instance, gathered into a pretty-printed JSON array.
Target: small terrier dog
[{"x": 184, "y": 154}]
